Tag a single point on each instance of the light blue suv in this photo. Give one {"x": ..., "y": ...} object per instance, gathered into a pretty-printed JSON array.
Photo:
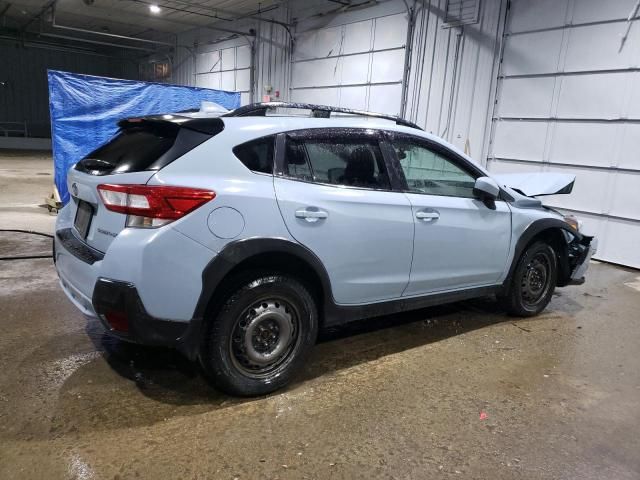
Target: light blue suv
[{"x": 235, "y": 238}]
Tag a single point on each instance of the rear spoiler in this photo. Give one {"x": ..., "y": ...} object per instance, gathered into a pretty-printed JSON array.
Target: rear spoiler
[{"x": 172, "y": 122}]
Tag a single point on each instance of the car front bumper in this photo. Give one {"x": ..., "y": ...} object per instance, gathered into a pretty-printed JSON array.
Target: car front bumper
[{"x": 582, "y": 265}]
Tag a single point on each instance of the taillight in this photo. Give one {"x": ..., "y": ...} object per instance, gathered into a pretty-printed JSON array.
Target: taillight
[
  {"x": 119, "y": 321},
  {"x": 149, "y": 206}
]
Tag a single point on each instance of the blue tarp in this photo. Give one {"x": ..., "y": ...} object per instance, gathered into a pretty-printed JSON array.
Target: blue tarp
[{"x": 85, "y": 110}]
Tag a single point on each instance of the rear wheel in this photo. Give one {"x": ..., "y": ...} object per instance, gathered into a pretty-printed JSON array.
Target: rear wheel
[
  {"x": 533, "y": 281},
  {"x": 261, "y": 335}
]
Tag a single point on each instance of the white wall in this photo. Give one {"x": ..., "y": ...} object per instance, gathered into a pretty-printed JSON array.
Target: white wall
[
  {"x": 569, "y": 101},
  {"x": 351, "y": 60},
  {"x": 211, "y": 58},
  {"x": 449, "y": 94},
  {"x": 357, "y": 59},
  {"x": 568, "y": 95},
  {"x": 225, "y": 68}
]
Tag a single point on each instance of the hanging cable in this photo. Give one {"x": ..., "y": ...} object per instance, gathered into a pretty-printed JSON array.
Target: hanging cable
[
  {"x": 454, "y": 81},
  {"x": 26, "y": 257},
  {"x": 422, "y": 50},
  {"x": 31, "y": 232}
]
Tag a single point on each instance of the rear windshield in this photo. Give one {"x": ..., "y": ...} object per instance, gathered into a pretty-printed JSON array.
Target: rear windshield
[{"x": 143, "y": 145}]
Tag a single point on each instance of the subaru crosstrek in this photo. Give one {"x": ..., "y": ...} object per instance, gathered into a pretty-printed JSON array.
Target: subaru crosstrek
[{"x": 235, "y": 238}]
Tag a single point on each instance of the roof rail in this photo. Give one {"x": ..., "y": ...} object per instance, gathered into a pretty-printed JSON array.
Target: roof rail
[{"x": 319, "y": 111}]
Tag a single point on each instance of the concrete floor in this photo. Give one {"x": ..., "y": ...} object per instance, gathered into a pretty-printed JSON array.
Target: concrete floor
[
  {"x": 454, "y": 392},
  {"x": 26, "y": 179}
]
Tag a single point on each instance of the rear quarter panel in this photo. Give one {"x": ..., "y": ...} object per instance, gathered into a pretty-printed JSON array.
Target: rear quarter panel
[{"x": 213, "y": 166}]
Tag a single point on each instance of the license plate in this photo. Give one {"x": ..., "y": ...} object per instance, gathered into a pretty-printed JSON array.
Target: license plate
[{"x": 83, "y": 218}]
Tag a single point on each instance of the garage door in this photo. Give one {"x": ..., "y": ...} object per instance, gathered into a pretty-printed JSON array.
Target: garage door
[
  {"x": 226, "y": 69},
  {"x": 356, "y": 65},
  {"x": 569, "y": 101}
]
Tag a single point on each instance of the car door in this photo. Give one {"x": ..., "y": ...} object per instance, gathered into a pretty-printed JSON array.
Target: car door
[
  {"x": 335, "y": 197},
  {"x": 460, "y": 241}
]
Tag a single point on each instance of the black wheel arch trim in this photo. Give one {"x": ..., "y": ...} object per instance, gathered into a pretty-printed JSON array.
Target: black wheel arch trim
[
  {"x": 187, "y": 336},
  {"x": 230, "y": 257},
  {"x": 238, "y": 251},
  {"x": 331, "y": 313}
]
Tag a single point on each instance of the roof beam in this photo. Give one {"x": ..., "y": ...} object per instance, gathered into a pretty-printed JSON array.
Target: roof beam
[
  {"x": 4, "y": 10},
  {"x": 214, "y": 16},
  {"x": 43, "y": 10}
]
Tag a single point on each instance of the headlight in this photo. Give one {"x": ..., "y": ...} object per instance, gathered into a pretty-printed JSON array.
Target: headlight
[{"x": 573, "y": 221}]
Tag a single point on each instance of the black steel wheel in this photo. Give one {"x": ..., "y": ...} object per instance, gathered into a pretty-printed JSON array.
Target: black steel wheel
[
  {"x": 264, "y": 336},
  {"x": 533, "y": 281},
  {"x": 260, "y": 336}
]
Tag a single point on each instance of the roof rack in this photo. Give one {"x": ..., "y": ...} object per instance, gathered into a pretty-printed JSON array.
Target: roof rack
[{"x": 318, "y": 111}]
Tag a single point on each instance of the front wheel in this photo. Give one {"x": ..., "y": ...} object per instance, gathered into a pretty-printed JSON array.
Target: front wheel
[
  {"x": 533, "y": 281},
  {"x": 261, "y": 336}
]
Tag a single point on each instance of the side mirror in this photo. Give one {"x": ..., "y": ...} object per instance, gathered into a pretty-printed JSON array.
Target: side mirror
[{"x": 486, "y": 189}]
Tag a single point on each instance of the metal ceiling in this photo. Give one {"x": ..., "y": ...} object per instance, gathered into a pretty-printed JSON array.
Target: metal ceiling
[{"x": 127, "y": 17}]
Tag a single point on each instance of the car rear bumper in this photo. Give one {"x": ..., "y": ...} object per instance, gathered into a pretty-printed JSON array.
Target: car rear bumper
[
  {"x": 120, "y": 300},
  {"x": 154, "y": 276},
  {"x": 77, "y": 276}
]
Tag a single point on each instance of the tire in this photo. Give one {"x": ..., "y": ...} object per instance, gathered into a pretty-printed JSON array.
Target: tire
[
  {"x": 533, "y": 281},
  {"x": 260, "y": 336}
]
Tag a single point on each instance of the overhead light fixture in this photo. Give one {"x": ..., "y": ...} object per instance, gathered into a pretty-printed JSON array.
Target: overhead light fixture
[{"x": 154, "y": 8}]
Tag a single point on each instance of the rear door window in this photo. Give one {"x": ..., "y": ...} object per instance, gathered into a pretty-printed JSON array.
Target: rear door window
[{"x": 346, "y": 160}]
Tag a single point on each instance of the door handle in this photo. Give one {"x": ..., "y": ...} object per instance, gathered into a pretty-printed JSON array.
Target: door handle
[
  {"x": 427, "y": 216},
  {"x": 311, "y": 215}
]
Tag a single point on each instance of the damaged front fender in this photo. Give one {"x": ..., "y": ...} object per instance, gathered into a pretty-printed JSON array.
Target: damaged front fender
[{"x": 573, "y": 249}]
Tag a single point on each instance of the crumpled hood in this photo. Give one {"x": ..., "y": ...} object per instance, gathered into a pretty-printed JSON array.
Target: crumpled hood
[{"x": 537, "y": 184}]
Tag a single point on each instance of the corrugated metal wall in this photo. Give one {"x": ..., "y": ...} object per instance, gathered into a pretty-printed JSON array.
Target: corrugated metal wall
[
  {"x": 25, "y": 96},
  {"x": 569, "y": 101},
  {"x": 200, "y": 48},
  {"x": 354, "y": 61},
  {"x": 226, "y": 69},
  {"x": 356, "y": 58},
  {"x": 453, "y": 73}
]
